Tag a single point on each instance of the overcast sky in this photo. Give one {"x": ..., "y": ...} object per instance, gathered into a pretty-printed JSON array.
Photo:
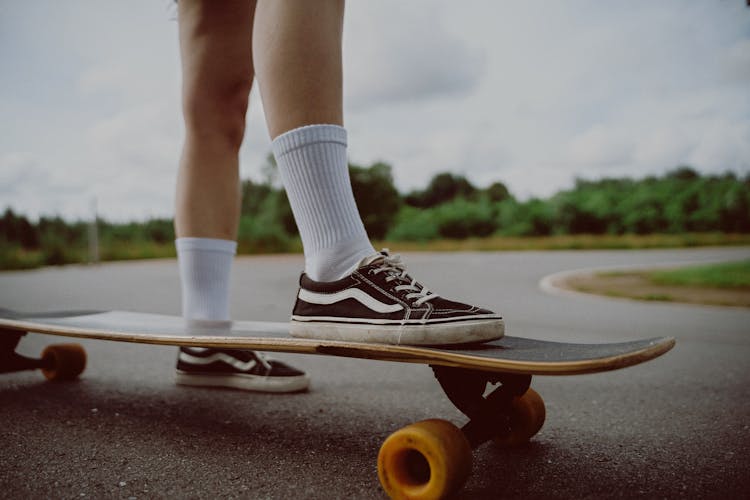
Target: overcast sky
[{"x": 531, "y": 93}]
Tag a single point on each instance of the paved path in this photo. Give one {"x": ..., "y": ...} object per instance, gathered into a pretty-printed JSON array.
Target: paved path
[{"x": 676, "y": 427}]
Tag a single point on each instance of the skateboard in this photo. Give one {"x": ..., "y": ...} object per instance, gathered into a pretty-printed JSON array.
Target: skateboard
[{"x": 488, "y": 382}]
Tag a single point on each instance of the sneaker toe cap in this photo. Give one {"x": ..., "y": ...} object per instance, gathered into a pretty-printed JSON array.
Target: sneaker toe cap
[
  {"x": 279, "y": 369},
  {"x": 452, "y": 308}
]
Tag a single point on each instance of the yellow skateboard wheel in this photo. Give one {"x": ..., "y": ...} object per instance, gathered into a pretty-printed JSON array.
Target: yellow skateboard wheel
[
  {"x": 427, "y": 460},
  {"x": 527, "y": 414},
  {"x": 64, "y": 361}
]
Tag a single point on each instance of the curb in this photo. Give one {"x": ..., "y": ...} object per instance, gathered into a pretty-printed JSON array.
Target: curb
[{"x": 551, "y": 283}]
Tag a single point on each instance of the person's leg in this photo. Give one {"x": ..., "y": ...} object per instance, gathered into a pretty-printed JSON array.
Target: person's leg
[
  {"x": 297, "y": 53},
  {"x": 217, "y": 72},
  {"x": 348, "y": 292},
  {"x": 297, "y": 49},
  {"x": 217, "y": 75}
]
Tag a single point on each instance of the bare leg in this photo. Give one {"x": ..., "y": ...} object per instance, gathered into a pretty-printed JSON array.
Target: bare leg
[
  {"x": 216, "y": 47},
  {"x": 215, "y": 43},
  {"x": 217, "y": 75},
  {"x": 297, "y": 52}
]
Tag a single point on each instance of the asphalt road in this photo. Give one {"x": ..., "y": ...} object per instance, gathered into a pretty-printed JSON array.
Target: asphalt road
[{"x": 675, "y": 427}]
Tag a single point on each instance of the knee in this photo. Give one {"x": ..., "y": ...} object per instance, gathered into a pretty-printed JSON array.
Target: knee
[{"x": 217, "y": 112}]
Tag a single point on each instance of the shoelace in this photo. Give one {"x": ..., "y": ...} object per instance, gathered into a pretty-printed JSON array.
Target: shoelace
[{"x": 396, "y": 270}]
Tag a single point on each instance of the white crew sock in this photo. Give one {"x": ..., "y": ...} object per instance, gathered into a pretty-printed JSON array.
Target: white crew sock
[
  {"x": 313, "y": 167},
  {"x": 205, "y": 270}
]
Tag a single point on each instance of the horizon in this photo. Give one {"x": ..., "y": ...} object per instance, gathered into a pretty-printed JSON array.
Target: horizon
[{"x": 402, "y": 193}]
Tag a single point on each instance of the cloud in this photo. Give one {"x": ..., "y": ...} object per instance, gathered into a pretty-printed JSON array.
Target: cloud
[
  {"x": 29, "y": 186},
  {"x": 396, "y": 52},
  {"x": 17, "y": 170},
  {"x": 723, "y": 145},
  {"x": 735, "y": 64},
  {"x": 531, "y": 93},
  {"x": 600, "y": 146},
  {"x": 138, "y": 137},
  {"x": 131, "y": 159},
  {"x": 111, "y": 78},
  {"x": 663, "y": 146}
]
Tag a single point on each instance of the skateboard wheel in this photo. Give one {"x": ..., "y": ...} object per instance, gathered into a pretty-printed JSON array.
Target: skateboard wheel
[
  {"x": 426, "y": 460},
  {"x": 63, "y": 361},
  {"x": 527, "y": 416}
]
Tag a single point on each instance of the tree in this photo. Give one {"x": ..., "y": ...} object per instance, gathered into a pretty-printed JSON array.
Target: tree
[
  {"x": 17, "y": 229},
  {"x": 377, "y": 199},
  {"x": 497, "y": 192},
  {"x": 683, "y": 172},
  {"x": 443, "y": 188},
  {"x": 254, "y": 196},
  {"x": 270, "y": 171},
  {"x": 533, "y": 217},
  {"x": 462, "y": 218}
]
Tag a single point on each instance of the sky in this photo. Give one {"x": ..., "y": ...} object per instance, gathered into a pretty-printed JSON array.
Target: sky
[{"x": 531, "y": 93}]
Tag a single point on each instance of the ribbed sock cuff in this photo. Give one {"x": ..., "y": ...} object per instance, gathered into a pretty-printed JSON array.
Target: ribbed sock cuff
[
  {"x": 205, "y": 271},
  {"x": 313, "y": 167},
  {"x": 308, "y": 135},
  {"x": 208, "y": 244}
]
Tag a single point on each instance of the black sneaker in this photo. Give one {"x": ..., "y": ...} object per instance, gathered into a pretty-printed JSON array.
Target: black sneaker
[
  {"x": 237, "y": 369},
  {"x": 380, "y": 303}
]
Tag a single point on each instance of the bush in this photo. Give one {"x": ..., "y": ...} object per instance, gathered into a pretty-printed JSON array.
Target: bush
[
  {"x": 266, "y": 231},
  {"x": 257, "y": 235},
  {"x": 531, "y": 218},
  {"x": 460, "y": 219},
  {"x": 57, "y": 251},
  {"x": 443, "y": 187},
  {"x": 414, "y": 224},
  {"x": 680, "y": 201},
  {"x": 378, "y": 200}
]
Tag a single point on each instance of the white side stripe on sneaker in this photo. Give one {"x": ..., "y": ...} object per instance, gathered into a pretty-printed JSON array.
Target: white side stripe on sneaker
[
  {"x": 350, "y": 293},
  {"x": 402, "y": 322},
  {"x": 218, "y": 356}
]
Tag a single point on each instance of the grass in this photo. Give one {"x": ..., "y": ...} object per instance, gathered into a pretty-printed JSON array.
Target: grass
[
  {"x": 17, "y": 258},
  {"x": 570, "y": 242},
  {"x": 726, "y": 284},
  {"x": 659, "y": 297},
  {"x": 611, "y": 292},
  {"x": 14, "y": 257},
  {"x": 725, "y": 275},
  {"x": 137, "y": 250}
]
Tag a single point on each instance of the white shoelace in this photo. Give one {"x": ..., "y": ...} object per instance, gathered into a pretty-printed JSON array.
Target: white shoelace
[{"x": 396, "y": 270}]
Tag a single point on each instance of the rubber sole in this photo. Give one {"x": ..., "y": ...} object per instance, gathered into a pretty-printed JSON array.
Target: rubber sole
[
  {"x": 458, "y": 332},
  {"x": 244, "y": 382}
]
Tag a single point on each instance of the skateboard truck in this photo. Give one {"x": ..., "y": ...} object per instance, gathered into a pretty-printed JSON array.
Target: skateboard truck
[
  {"x": 465, "y": 388},
  {"x": 432, "y": 458},
  {"x": 10, "y": 360},
  {"x": 58, "y": 362}
]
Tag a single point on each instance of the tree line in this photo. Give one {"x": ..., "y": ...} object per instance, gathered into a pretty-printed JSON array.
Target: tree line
[{"x": 450, "y": 206}]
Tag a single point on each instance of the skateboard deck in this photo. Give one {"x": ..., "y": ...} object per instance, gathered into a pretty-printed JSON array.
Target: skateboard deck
[
  {"x": 489, "y": 382},
  {"x": 507, "y": 355}
]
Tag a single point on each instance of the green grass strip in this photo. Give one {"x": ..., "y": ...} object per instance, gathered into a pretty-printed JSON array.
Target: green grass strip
[{"x": 725, "y": 275}]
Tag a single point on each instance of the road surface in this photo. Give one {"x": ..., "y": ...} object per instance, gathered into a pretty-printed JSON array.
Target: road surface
[{"x": 676, "y": 427}]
